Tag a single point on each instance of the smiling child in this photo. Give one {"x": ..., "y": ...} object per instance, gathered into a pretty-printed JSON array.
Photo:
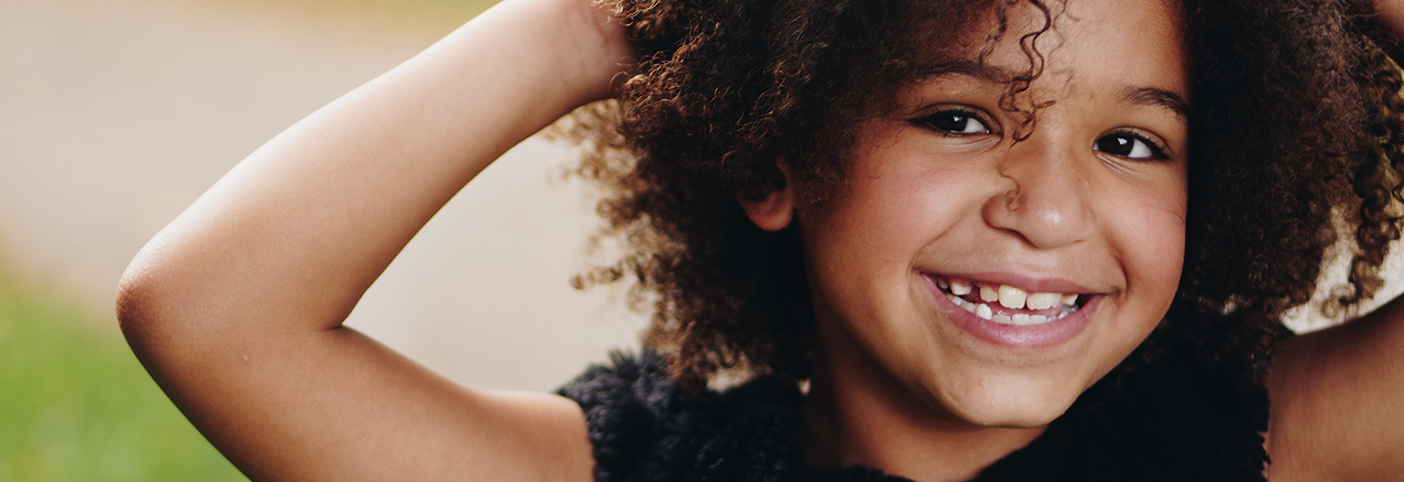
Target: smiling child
[{"x": 991, "y": 240}]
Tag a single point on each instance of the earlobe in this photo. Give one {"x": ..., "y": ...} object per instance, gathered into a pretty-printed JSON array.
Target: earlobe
[{"x": 772, "y": 213}]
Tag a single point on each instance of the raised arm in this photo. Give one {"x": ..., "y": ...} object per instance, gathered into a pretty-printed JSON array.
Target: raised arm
[
  {"x": 1338, "y": 394},
  {"x": 1338, "y": 401},
  {"x": 236, "y": 307}
]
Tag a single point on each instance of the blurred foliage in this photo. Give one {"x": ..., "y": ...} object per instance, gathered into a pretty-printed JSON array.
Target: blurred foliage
[{"x": 76, "y": 406}]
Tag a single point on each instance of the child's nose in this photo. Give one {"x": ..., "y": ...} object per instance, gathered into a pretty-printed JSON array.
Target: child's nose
[{"x": 1047, "y": 200}]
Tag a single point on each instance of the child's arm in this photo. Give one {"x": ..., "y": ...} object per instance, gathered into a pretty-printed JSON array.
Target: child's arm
[
  {"x": 236, "y": 307},
  {"x": 1338, "y": 401},
  {"x": 1338, "y": 394}
]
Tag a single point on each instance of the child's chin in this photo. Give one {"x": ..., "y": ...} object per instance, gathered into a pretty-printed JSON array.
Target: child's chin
[
  {"x": 1028, "y": 419},
  {"x": 1014, "y": 412}
]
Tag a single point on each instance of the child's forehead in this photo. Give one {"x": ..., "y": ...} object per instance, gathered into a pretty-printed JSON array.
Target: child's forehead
[
  {"x": 1132, "y": 43},
  {"x": 997, "y": 32}
]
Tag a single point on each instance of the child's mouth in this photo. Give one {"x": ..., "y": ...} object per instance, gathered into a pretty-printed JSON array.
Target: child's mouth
[{"x": 1006, "y": 304}]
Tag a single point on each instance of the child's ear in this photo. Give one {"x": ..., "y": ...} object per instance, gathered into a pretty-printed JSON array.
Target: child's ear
[{"x": 772, "y": 213}]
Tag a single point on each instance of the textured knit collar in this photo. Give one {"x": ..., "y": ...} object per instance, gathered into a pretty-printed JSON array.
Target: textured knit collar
[{"x": 1168, "y": 421}]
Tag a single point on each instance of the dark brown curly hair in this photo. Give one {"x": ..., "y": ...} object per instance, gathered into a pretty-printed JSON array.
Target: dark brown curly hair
[{"x": 1295, "y": 135}]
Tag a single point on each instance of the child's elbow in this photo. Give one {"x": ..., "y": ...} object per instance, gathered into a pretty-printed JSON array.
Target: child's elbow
[
  {"x": 137, "y": 303},
  {"x": 144, "y": 304}
]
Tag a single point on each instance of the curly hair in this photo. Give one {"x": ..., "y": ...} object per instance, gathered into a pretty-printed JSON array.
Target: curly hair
[{"x": 1295, "y": 132}]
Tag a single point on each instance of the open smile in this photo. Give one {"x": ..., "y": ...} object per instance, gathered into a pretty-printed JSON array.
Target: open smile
[
  {"x": 1008, "y": 305},
  {"x": 1012, "y": 316}
]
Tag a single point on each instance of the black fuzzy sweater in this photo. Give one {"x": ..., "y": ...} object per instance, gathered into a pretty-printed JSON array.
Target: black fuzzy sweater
[{"x": 1170, "y": 421}]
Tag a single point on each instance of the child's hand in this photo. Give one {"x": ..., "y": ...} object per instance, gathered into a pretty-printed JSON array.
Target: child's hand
[
  {"x": 591, "y": 45},
  {"x": 619, "y": 54}
]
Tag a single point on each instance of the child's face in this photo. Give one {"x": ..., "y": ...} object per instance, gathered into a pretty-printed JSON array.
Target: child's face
[{"x": 938, "y": 194}]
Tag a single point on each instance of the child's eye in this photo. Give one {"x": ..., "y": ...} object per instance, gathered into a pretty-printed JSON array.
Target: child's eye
[
  {"x": 1130, "y": 145},
  {"x": 956, "y": 122}
]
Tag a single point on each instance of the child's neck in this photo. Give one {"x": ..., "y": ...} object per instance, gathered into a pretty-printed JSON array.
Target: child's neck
[{"x": 858, "y": 414}]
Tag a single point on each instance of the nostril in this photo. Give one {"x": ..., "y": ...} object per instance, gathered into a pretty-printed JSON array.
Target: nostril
[{"x": 1012, "y": 199}]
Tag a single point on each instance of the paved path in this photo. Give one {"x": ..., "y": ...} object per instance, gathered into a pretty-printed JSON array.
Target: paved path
[{"x": 116, "y": 114}]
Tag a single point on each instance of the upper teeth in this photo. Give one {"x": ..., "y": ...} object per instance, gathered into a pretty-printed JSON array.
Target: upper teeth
[
  {"x": 1041, "y": 301},
  {"x": 1015, "y": 298},
  {"x": 960, "y": 288},
  {"x": 1010, "y": 298}
]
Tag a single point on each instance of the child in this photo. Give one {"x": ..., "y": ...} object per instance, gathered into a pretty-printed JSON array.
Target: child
[{"x": 1005, "y": 240}]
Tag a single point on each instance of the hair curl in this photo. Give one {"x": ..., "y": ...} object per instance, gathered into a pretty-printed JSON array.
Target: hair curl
[{"x": 1295, "y": 130}]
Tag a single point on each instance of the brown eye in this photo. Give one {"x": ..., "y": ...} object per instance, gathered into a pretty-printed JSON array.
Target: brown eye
[
  {"x": 957, "y": 122},
  {"x": 1128, "y": 145}
]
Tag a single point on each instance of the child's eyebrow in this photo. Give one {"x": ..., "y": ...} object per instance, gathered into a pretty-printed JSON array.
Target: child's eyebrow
[
  {"x": 979, "y": 70},
  {"x": 1156, "y": 97}
]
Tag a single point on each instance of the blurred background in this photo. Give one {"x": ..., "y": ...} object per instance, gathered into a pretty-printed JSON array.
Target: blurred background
[{"x": 116, "y": 114}]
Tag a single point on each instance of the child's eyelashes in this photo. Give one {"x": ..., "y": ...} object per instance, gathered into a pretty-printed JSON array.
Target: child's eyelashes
[
  {"x": 1132, "y": 144},
  {"x": 956, "y": 121},
  {"x": 1125, "y": 142}
]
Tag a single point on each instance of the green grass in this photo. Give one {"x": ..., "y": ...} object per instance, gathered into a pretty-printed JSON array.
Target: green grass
[{"x": 76, "y": 406}]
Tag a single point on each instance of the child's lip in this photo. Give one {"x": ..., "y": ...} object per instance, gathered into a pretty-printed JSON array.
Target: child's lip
[{"x": 1022, "y": 336}]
